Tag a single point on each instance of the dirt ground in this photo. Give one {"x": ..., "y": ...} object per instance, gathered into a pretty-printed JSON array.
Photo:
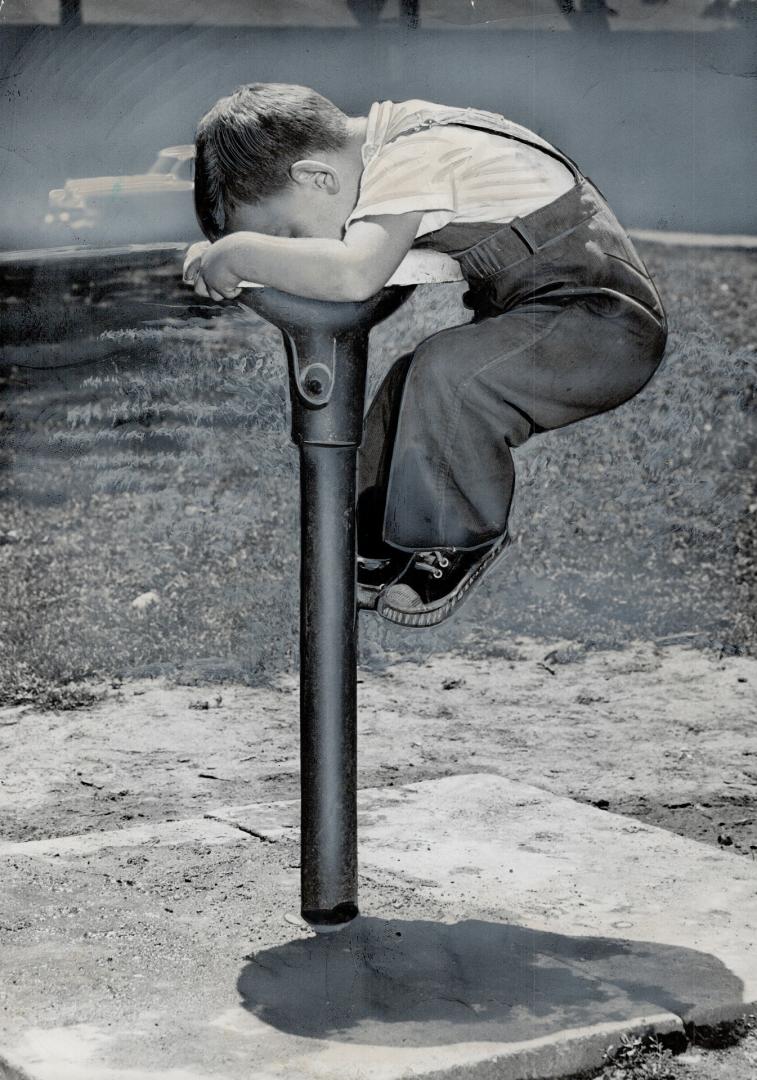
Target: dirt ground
[
  {"x": 664, "y": 733},
  {"x": 658, "y": 731}
]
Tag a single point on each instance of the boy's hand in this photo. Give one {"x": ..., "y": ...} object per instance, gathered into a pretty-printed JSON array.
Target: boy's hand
[
  {"x": 192, "y": 261},
  {"x": 207, "y": 267}
]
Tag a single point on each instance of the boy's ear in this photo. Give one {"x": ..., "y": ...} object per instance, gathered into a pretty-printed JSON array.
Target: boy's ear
[{"x": 316, "y": 173}]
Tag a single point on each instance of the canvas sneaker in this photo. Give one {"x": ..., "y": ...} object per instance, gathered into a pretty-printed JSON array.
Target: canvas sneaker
[{"x": 434, "y": 583}]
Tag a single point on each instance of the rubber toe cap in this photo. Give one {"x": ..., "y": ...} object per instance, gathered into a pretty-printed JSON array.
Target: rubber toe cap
[{"x": 402, "y": 598}]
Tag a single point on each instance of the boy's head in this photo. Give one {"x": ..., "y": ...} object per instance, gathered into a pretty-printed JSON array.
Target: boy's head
[{"x": 266, "y": 158}]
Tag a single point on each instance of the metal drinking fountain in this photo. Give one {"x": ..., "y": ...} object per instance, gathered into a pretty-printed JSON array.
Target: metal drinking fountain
[{"x": 327, "y": 351}]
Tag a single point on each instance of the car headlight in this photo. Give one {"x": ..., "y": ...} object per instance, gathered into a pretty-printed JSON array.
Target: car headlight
[{"x": 61, "y": 198}]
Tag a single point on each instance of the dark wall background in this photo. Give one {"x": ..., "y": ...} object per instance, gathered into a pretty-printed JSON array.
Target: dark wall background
[{"x": 662, "y": 122}]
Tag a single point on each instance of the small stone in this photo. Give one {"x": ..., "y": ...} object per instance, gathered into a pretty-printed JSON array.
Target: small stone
[
  {"x": 145, "y": 600},
  {"x": 295, "y": 920}
]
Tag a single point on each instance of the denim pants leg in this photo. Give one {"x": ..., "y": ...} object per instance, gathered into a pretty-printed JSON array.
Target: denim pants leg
[
  {"x": 435, "y": 468},
  {"x": 568, "y": 324}
]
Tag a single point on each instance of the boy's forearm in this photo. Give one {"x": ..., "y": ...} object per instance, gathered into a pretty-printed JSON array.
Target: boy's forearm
[{"x": 321, "y": 269}]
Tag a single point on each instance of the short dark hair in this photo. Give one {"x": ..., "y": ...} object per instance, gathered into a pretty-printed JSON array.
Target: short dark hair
[{"x": 246, "y": 143}]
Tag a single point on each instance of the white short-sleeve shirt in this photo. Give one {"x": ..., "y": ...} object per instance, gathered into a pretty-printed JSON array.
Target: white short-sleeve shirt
[{"x": 451, "y": 172}]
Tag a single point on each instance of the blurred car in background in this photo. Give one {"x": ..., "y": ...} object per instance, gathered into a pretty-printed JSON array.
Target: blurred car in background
[{"x": 145, "y": 208}]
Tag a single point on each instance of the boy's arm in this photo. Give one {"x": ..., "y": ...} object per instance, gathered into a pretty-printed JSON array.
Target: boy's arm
[{"x": 353, "y": 268}]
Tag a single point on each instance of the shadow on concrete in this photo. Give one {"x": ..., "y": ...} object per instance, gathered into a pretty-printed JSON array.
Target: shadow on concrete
[{"x": 422, "y": 983}]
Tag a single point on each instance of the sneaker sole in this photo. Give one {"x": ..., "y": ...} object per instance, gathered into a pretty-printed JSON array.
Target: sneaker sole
[{"x": 433, "y": 614}]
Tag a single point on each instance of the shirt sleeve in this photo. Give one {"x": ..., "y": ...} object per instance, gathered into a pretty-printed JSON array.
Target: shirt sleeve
[{"x": 414, "y": 172}]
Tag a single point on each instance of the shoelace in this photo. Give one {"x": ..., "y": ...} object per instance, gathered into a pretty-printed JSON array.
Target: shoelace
[{"x": 434, "y": 562}]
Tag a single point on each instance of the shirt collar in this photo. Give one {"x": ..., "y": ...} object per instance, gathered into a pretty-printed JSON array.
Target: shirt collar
[{"x": 379, "y": 118}]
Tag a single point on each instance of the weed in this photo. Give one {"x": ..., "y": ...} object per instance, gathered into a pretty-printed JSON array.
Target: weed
[{"x": 639, "y": 1057}]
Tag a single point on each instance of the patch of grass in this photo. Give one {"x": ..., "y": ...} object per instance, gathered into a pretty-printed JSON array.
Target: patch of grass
[
  {"x": 652, "y": 1057},
  {"x": 168, "y": 468},
  {"x": 26, "y": 687}
]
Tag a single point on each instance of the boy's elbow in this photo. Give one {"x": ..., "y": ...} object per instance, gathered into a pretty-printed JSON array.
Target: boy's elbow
[
  {"x": 357, "y": 283},
  {"x": 360, "y": 292}
]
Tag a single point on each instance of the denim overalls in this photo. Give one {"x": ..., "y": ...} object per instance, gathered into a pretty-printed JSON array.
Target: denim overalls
[{"x": 567, "y": 323}]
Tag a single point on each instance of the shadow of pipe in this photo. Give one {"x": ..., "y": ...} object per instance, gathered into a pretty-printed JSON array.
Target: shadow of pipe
[{"x": 423, "y": 983}]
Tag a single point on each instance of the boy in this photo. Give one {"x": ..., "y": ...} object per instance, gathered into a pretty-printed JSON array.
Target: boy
[{"x": 566, "y": 320}]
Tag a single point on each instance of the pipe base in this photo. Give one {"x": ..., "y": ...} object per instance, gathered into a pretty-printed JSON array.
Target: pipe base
[{"x": 330, "y": 920}]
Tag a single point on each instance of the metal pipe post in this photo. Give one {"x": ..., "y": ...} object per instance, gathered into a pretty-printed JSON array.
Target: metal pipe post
[
  {"x": 327, "y": 350},
  {"x": 328, "y": 685}
]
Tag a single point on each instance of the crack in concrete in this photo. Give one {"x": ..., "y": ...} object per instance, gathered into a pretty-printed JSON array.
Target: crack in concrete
[{"x": 242, "y": 828}]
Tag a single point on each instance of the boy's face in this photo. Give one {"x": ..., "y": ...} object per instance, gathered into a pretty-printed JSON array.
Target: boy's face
[{"x": 316, "y": 203}]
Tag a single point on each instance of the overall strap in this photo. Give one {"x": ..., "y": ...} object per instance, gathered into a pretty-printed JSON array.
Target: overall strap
[
  {"x": 454, "y": 238},
  {"x": 429, "y": 115}
]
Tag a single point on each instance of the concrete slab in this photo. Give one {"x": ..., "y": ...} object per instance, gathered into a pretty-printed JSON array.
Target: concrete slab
[{"x": 507, "y": 933}]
